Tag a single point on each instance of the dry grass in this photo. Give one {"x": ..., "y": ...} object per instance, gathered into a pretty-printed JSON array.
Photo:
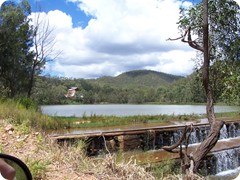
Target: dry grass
[
  {"x": 181, "y": 177},
  {"x": 50, "y": 161},
  {"x": 113, "y": 170}
]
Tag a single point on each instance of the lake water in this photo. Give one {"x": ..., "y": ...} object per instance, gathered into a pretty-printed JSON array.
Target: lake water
[
  {"x": 126, "y": 110},
  {"x": 129, "y": 109}
]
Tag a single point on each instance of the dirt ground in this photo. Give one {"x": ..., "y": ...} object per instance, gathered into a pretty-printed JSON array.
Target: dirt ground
[
  {"x": 34, "y": 150},
  {"x": 49, "y": 161}
]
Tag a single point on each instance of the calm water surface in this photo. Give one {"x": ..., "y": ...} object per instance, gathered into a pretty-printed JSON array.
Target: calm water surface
[{"x": 129, "y": 110}]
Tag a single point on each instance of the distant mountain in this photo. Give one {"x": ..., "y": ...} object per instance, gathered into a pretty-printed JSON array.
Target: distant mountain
[{"x": 138, "y": 79}]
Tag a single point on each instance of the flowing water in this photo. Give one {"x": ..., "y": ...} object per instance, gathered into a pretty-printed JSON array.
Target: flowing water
[{"x": 223, "y": 164}]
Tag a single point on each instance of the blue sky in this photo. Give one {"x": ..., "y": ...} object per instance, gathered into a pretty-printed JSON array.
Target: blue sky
[
  {"x": 108, "y": 37},
  {"x": 79, "y": 18}
]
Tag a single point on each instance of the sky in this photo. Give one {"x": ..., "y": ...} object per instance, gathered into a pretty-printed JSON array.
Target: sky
[{"x": 108, "y": 37}]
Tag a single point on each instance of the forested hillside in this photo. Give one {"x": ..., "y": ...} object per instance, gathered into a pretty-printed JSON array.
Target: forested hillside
[
  {"x": 21, "y": 69},
  {"x": 138, "y": 79},
  {"x": 141, "y": 86}
]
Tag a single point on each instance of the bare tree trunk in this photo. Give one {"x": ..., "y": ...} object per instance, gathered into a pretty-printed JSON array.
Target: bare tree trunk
[
  {"x": 44, "y": 43},
  {"x": 190, "y": 163},
  {"x": 31, "y": 82},
  {"x": 206, "y": 64},
  {"x": 205, "y": 147}
]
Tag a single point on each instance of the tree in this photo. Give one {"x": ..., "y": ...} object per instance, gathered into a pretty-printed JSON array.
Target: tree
[
  {"x": 231, "y": 83},
  {"x": 43, "y": 47},
  {"x": 15, "y": 43},
  {"x": 216, "y": 40}
]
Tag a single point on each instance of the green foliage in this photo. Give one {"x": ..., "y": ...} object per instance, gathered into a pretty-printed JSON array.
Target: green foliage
[
  {"x": 27, "y": 118},
  {"x": 164, "y": 168},
  {"x": 139, "y": 86},
  {"x": 231, "y": 84},
  {"x": 174, "y": 90},
  {"x": 27, "y": 103},
  {"x": 224, "y": 43},
  {"x": 186, "y": 90},
  {"x": 224, "y": 27},
  {"x": 183, "y": 91},
  {"x": 104, "y": 121},
  {"x": 15, "y": 43},
  {"x": 19, "y": 64},
  {"x": 38, "y": 168},
  {"x": 49, "y": 91},
  {"x": 138, "y": 79}
]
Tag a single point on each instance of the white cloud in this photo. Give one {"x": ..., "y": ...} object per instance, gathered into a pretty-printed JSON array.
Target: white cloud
[
  {"x": 123, "y": 35},
  {"x": 171, "y": 64},
  {"x": 1, "y": 2},
  {"x": 238, "y": 1}
]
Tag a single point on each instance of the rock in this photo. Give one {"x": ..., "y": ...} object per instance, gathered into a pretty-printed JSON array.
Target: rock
[
  {"x": 237, "y": 178},
  {"x": 9, "y": 128},
  {"x": 36, "y": 133},
  {"x": 4, "y": 136},
  {"x": 22, "y": 139}
]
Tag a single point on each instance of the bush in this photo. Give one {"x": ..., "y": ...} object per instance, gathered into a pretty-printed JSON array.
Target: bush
[{"x": 26, "y": 103}]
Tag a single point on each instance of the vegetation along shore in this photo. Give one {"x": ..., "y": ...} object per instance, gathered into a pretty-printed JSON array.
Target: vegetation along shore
[
  {"x": 23, "y": 135},
  {"x": 27, "y": 47}
]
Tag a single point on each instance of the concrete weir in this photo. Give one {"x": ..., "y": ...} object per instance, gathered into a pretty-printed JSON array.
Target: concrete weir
[
  {"x": 145, "y": 139},
  {"x": 145, "y": 145}
]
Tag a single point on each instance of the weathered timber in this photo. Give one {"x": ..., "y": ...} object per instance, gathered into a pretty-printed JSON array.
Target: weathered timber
[
  {"x": 141, "y": 139},
  {"x": 161, "y": 155},
  {"x": 126, "y": 132}
]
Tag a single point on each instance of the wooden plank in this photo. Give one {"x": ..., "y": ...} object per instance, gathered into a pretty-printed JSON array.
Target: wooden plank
[
  {"x": 155, "y": 156},
  {"x": 129, "y": 131}
]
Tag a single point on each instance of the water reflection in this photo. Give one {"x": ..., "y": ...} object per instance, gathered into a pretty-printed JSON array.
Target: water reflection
[{"x": 129, "y": 109}]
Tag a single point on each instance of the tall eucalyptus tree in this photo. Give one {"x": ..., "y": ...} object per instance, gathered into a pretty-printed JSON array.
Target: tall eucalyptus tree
[
  {"x": 15, "y": 43},
  {"x": 215, "y": 23}
]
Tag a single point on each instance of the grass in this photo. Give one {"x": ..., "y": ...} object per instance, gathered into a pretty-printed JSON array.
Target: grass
[
  {"x": 48, "y": 160},
  {"x": 38, "y": 168},
  {"x": 16, "y": 113},
  {"x": 32, "y": 118},
  {"x": 103, "y": 121},
  {"x": 164, "y": 168},
  {"x": 24, "y": 112},
  {"x": 228, "y": 116}
]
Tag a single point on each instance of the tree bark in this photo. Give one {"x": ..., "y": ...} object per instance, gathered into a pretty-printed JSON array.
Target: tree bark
[
  {"x": 206, "y": 64},
  {"x": 190, "y": 163},
  {"x": 205, "y": 147},
  {"x": 31, "y": 81}
]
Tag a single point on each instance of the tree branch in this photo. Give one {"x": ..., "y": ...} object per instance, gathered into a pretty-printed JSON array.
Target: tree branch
[
  {"x": 171, "y": 148},
  {"x": 207, "y": 144},
  {"x": 189, "y": 40}
]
